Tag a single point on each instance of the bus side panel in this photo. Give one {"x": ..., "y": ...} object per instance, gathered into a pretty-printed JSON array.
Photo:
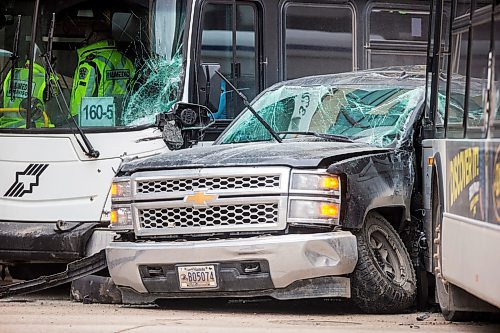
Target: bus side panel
[
  {"x": 470, "y": 234},
  {"x": 470, "y": 256}
]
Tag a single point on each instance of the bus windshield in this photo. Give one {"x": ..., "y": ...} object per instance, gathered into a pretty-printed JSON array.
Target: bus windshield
[
  {"x": 362, "y": 113},
  {"x": 100, "y": 64}
]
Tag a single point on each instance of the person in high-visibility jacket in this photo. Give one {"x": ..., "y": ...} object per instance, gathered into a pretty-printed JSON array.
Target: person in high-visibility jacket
[
  {"x": 16, "y": 98},
  {"x": 102, "y": 71}
]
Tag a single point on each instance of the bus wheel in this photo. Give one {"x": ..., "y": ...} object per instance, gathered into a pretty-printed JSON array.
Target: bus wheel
[
  {"x": 442, "y": 286},
  {"x": 384, "y": 279}
]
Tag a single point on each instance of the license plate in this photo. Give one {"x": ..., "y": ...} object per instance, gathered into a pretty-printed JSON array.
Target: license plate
[{"x": 197, "y": 277}]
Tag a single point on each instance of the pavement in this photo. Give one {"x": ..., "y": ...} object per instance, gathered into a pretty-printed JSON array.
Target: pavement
[{"x": 53, "y": 311}]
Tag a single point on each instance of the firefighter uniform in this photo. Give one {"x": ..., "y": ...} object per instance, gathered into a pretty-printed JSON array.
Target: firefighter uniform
[
  {"x": 103, "y": 71},
  {"x": 16, "y": 119}
]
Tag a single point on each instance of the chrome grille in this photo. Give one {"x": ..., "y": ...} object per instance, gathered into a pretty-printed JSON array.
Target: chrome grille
[
  {"x": 176, "y": 220},
  {"x": 238, "y": 199},
  {"x": 207, "y": 183}
]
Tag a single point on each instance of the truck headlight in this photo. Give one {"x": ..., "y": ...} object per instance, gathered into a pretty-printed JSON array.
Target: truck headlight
[
  {"x": 315, "y": 182},
  {"x": 315, "y": 197},
  {"x": 313, "y": 211},
  {"x": 121, "y": 218},
  {"x": 120, "y": 189}
]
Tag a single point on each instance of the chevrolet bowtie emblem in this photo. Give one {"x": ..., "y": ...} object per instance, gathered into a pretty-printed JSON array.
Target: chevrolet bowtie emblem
[{"x": 200, "y": 198}]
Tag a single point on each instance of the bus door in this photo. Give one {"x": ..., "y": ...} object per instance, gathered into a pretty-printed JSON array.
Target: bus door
[{"x": 229, "y": 36}]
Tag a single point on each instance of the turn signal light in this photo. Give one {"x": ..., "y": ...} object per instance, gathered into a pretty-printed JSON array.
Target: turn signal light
[
  {"x": 115, "y": 189},
  {"x": 329, "y": 210},
  {"x": 113, "y": 216},
  {"x": 330, "y": 183}
]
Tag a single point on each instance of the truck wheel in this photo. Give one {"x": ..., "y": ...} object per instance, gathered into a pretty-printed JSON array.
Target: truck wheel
[{"x": 384, "y": 279}]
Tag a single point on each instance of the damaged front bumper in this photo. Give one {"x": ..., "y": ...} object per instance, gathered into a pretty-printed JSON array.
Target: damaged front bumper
[{"x": 290, "y": 266}]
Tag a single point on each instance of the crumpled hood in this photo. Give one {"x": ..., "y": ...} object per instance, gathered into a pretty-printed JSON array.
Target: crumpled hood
[{"x": 293, "y": 154}]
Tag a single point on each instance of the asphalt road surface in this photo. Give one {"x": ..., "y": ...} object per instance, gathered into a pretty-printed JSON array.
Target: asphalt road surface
[{"x": 53, "y": 311}]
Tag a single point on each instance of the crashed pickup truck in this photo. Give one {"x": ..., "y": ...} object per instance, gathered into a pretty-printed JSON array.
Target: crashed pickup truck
[{"x": 310, "y": 200}]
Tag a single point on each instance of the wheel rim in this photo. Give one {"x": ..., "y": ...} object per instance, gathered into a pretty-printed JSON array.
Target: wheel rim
[{"x": 387, "y": 256}]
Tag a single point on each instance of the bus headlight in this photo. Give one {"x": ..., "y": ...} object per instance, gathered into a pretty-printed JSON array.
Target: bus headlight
[
  {"x": 314, "y": 211},
  {"x": 121, "y": 218},
  {"x": 120, "y": 189}
]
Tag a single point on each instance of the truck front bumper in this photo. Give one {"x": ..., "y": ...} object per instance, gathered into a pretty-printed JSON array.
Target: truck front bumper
[{"x": 292, "y": 266}]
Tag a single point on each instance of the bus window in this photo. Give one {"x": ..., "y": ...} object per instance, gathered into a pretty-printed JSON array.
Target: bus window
[
  {"x": 15, "y": 32},
  {"x": 318, "y": 39},
  {"x": 397, "y": 36},
  {"x": 480, "y": 48},
  {"x": 384, "y": 58},
  {"x": 495, "y": 130},
  {"x": 462, "y": 7},
  {"x": 399, "y": 25},
  {"x": 481, "y": 3},
  {"x": 238, "y": 62},
  {"x": 459, "y": 51}
]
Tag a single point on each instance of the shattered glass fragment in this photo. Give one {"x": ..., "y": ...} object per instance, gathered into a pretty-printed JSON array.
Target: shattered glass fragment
[{"x": 158, "y": 82}]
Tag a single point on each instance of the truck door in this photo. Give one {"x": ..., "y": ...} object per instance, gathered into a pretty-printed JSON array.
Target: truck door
[{"x": 230, "y": 37}]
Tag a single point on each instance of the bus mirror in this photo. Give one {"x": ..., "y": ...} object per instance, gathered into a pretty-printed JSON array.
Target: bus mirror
[
  {"x": 191, "y": 116},
  {"x": 172, "y": 135},
  {"x": 184, "y": 125},
  {"x": 208, "y": 73},
  {"x": 209, "y": 70}
]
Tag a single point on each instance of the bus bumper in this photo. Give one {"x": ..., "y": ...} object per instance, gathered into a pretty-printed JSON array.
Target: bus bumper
[{"x": 43, "y": 242}]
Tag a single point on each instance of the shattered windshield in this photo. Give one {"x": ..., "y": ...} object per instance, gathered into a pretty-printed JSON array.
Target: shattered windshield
[
  {"x": 363, "y": 113},
  {"x": 106, "y": 64}
]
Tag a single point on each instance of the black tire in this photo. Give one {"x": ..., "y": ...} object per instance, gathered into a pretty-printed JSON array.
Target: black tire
[{"x": 384, "y": 279}]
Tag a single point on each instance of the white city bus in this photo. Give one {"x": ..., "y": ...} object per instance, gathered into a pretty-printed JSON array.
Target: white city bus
[
  {"x": 56, "y": 167},
  {"x": 461, "y": 158}
]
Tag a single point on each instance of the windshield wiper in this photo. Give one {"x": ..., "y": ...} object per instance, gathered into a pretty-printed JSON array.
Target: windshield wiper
[
  {"x": 334, "y": 137},
  {"x": 13, "y": 61},
  {"x": 89, "y": 150},
  {"x": 247, "y": 104}
]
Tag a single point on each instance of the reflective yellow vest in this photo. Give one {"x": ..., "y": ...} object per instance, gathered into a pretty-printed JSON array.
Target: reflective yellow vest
[
  {"x": 16, "y": 119},
  {"x": 102, "y": 72}
]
